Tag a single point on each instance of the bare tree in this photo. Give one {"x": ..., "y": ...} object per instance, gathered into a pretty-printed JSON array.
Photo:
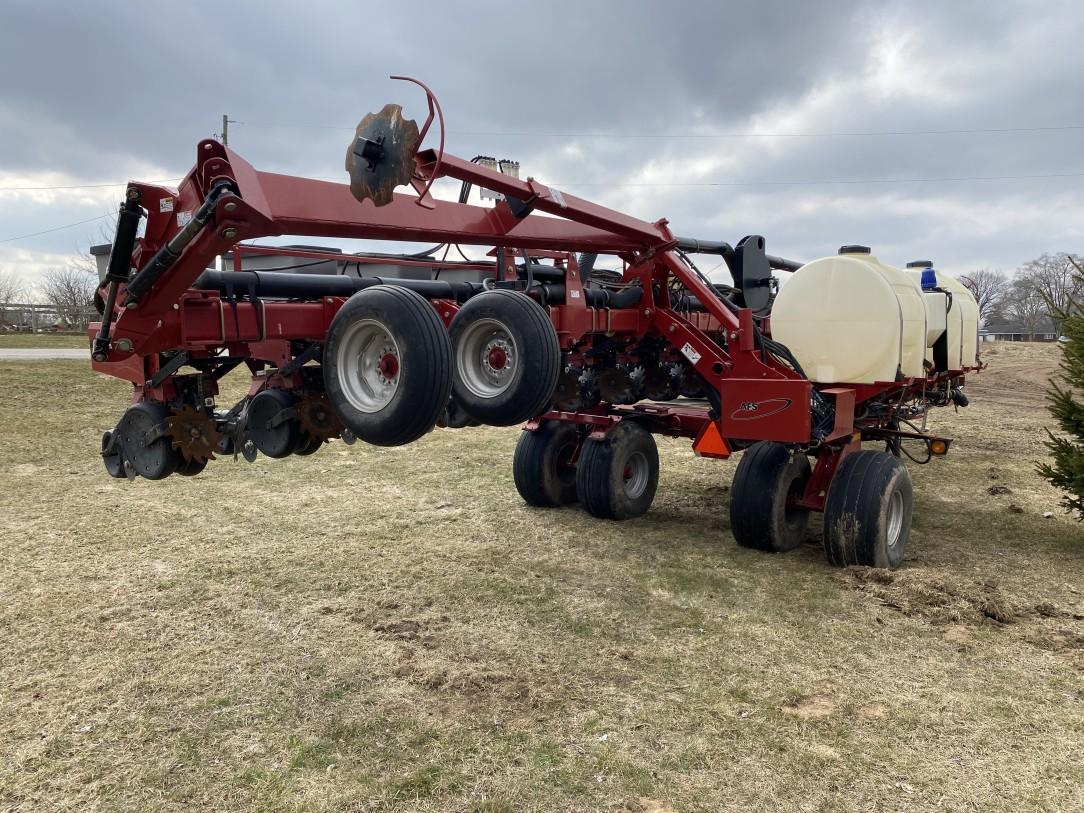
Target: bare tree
[
  {"x": 12, "y": 291},
  {"x": 1024, "y": 304},
  {"x": 1054, "y": 276},
  {"x": 71, "y": 291},
  {"x": 988, "y": 287}
]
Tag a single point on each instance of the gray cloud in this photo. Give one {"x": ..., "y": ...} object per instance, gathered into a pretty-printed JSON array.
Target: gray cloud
[{"x": 104, "y": 92}]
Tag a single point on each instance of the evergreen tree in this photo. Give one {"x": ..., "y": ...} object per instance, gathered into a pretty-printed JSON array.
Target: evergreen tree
[{"x": 1067, "y": 469}]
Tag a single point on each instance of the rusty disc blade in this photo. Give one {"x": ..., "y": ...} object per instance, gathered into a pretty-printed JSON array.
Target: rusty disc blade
[{"x": 381, "y": 156}]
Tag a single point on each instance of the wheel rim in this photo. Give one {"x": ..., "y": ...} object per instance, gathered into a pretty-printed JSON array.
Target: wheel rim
[
  {"x": 636, "y": 474},
  {"x": 369, "y": 365},
  {"x": 895, "y": 518},
  {"x": 487, "y": 357}
]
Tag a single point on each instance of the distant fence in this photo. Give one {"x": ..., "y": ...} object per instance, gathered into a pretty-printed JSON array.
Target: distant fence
[{"x": 30, "y": 318}]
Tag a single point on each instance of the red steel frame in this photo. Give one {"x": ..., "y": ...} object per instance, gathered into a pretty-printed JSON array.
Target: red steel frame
[{"x": 763, "y": 398}]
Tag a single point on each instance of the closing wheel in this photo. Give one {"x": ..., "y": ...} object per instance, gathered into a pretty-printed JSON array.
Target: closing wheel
[
  {"x": 544, "y": 467},
  {"x": 387, "y": 365},
  {"x": 507, "y": 358},
  {"x": 190, "y": 468},
  {"x": 616, "y": 477},
  {"x": 867, "y": 514},
  {"x": 308, "y": 445},
  {"x": 114, "y": 464},
  {"x": 274, "y": 433},
  {"x": 764, "y": 513},
  {"x": 145, "y": 446}
]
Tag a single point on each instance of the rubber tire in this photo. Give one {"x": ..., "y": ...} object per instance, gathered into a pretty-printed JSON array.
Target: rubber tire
[
  {"x": 600, "y": 482},
  {"x": 767, "y": 474},
  {"x": 857, "y": 507},
  {"x": 539, "y": 478},
  {"x": 424, "y": 372},
  {"x": 535, "y": 380}
]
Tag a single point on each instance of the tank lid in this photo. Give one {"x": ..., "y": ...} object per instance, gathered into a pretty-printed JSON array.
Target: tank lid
[
  {"x": 854, "y": 250},
  {"x": 920, "y": 264}
]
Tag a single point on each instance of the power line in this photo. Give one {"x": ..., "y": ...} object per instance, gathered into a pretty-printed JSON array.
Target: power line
[
  {"x": 78, "y": 186},
  {"x": 50, "y": 231},
  {"x": 822, "y": 134},
  {"x": 830, "y": 181}
]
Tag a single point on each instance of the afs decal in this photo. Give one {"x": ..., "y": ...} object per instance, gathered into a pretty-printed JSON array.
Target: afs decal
[{"x": 754, "y": 410}]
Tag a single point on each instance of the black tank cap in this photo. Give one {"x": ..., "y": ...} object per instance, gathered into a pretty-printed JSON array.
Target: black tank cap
[
  {"x": 920, "y": 264},
  {"x": 854, "y": 250}
]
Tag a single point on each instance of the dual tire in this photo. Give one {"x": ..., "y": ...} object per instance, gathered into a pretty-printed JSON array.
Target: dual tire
[
  {"x": 613, "y": 478},
  {"x": 867, "y": 511},
  {"x": 390, "y": 367}
]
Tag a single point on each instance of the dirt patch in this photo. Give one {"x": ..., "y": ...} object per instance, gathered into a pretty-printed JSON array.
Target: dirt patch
[
  {"x": 935, "y": 596},
  {"x": 645, "y": 805},
  {"x": 811, "y": 707},
  {"x": 1055, "y": 640},
  {"x": 873, "y": 711},
  {"x": 957, "y": 634}
]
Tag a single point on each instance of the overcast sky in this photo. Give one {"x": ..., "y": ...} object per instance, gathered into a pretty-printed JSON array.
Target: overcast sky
[{"x": 795, "y": 120}]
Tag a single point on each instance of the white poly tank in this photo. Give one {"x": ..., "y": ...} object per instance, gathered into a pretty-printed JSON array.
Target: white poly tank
[
  {"x": 961, "y": 314},
  {"x": 964, "y": 310},
  {"x": 851, "y": 319}
]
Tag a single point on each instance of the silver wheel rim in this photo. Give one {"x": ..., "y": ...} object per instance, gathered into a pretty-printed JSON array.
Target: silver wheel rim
[
  {"x": 895, "y": 518},
  {"x": 636, "y": 474},
  {"x": 369, "y": 365},
  {"x": 487, "y": 357}
]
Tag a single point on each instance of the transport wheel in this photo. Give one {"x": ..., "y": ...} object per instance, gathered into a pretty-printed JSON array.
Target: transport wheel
[
  {"x": 387, "y": 365},
  {"x": 190, "y": 468},
  {"x": 616, "y": 477},
  {"x": 867, "y": 515},
  {"x": 114, "y": 464},
  {"x": 763, "y": 510},
  {"x": 543, "y": 467},
  {"x": 274, "y": 439},
  {"x": 150, "y": 458},
  {"x": 507, "y": 358}
]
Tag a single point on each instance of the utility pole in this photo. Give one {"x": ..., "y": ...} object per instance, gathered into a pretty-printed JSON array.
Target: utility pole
[{"x": 225, "y": 129}]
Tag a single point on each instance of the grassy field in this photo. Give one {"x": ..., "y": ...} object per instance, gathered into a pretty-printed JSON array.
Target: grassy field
[
  {"x": 49, "y": 340},
  {"x": 392, "y": 629}
]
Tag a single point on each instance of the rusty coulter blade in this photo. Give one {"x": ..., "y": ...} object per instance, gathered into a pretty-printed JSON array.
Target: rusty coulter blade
[{"x": 381, "y": 156}]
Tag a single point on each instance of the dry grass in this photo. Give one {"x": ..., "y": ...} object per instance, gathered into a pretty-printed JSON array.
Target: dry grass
[
  {"x": 392, "y": 629},
  {"x": 49, "y": 340}
]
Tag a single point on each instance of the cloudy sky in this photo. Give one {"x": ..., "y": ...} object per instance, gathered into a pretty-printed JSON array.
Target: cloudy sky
[{"x": 946, "y": 130}]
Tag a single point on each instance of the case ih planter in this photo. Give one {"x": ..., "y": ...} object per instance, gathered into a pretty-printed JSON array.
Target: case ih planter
[{"x": 596, "y": 363}]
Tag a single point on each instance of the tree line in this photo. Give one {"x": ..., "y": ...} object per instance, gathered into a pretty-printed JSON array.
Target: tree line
[
  {"x": 68, "y": 290},
  {"x": 1036, "y": 297}
]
